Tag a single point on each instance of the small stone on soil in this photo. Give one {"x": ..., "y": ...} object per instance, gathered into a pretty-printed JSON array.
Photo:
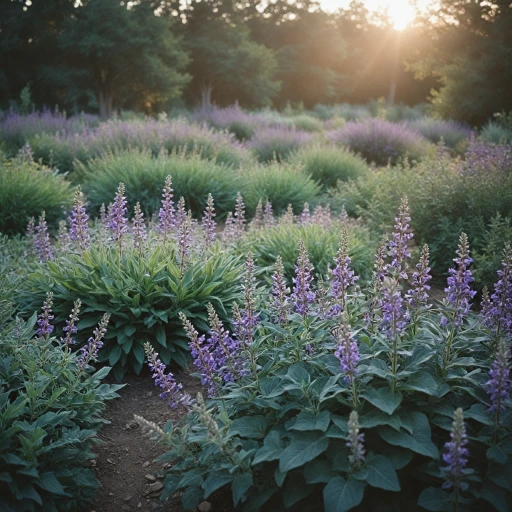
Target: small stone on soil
[
  {"x": 110, "y": 461},
  {"x": 204, "y": 506},
  {"x": 145, "y": 465},
  {"x": 151, "y": 478}
]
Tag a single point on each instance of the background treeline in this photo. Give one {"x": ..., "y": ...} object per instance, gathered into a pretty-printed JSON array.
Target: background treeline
[{"x": 151, "y": 55}]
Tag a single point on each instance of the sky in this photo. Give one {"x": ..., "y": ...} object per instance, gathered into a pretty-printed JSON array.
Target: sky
[{"x": 400, "y": 11}]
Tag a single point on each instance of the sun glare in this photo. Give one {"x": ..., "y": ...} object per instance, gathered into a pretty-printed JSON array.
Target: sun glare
[{"x": 401, "y": 13}]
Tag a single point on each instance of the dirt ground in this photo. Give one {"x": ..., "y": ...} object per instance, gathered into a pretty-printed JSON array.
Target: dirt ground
[{"x": 124, "y": 464}]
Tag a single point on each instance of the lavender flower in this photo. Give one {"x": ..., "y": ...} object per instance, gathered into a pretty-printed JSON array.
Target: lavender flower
[
  {"x": 280, "y": 303},
  {"x": 249, "y": 316},
  {"x": 303, "y": 296},
  {"x": 355, "y": 442},
  {"x": 171, "y": 391},
  {"x": 376, "y": 285},
  {"x": 139, "y": 229},
  {"x": 394, "y": 315},
  {"x": 63, "y": 235},
  {"x": 322, "y": 216},
  {"x": 343, "y": 275},
  {"x": 268, "y": 215},
  {"x": 166, "y": 214},
  {"x": 497, "y": 312},
  {"x": 117, "y": 221},
  {"x": 456, "y": 454},
  {"x": 418, "y": 295},
  {"x": 305, "y": 216},
  {"x": 209, "y": 223},
  {"x": 400, "y": 238},
  {"x": 42, "y": 240},
  {"x": 459, "y": 292},
  {"x": 71, "y": 328},
  {"x": 79, "y": 231},
  {"x": 288, "y": 217},
  {"x": 184, "y": 243},
  {"x": 203, "y": 359},
  {"x": 226, "y": 350},
  {"x": 45, "y": 328},
  {"x": 257, "y": 220},
  {"x": 31, "y": 228},
  {"x": 94, "y": 344},
  {"x": 239, "y": 216},
  {"x": 181, "y": 214},
  {"x": 229, "y": 233},
  {"x": 347, "y": 352},
  {"x": 499, "y": 385}
]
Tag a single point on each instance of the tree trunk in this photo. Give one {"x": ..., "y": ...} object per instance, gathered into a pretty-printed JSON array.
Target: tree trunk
[{"x": 105, "y": 102}]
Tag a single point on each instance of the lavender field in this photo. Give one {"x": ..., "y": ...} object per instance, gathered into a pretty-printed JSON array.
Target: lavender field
[{"x": 322, "y": 298}]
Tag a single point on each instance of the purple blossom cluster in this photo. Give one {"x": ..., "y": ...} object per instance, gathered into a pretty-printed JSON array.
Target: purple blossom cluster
[
  {"x": 184, "y": 243},
  {"x": 249, "y": 317},
  {"x": 355, "y": 442},
  {"x": 497, "y": 310},
  {"x": 303, "y": 295},
  {"x": 79, "y": 230},
  {"x": 166, "y": 215},
  {"x": 485, "y": 158},
  {"x": 280, "y": 301},
  {"x": 395, "y": 315},
  {"x": 239, "y": 217},
  {"x": 347, "y": 352},
  {"x": 208, "y": 222},
  {"x": 456, "y": 454},
  {"x": 117, "y": 221},
  {"x": 459, "y": 293},
  {"x": 90, "y": 351},
  {"x": 268, "y": 215},
  {"x": 277, "y": 141},
  {"x": 140, "y": 234},
  {"x": 70, "y": 329},
  {"x": 399, "y": 239},
  {"x": 171, "y": 390},
  {"x": 257, "y": 220},
  {"x": 41, "y": 239},
  {"x": 343, "y": 275},
  {"x": 417, "y": 296},
  {"x": 45, "y": 328},
  {"x": 499, "y": 385}
]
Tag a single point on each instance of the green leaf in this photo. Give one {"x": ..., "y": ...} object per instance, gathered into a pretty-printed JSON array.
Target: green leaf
[
  {"x": 114, "y": 355},
  {"x": 495, "y": 495},
  {"x": 270, "y": 450},
  {"x": 215, "y": 481},
  {"x": 435, "y": 499},
  {"x": 382, "y": 474},
  {"x": 295, "y": 490},
  {"x": 341, "y": 495},
  {"x": 496, "y": 454},
  {"x": 271, "y": 387},
  {"x": 384, "y": 399},
  {"x": 241, "y": 484},
  {"x": 478, "y": 413},
  {"x": 425, "y": 382},
  {"x": 251, "y": 427},
  {"x": 302, "y": 449},
  {"x": 319, "y": 472},
  {"x": 309, "y": 421},
  {"x": 298, "y": 375},
  {"x": 191, "y": 498},
  {"x": 49, "y": 482},
  {"x": 420, "y": 440}
]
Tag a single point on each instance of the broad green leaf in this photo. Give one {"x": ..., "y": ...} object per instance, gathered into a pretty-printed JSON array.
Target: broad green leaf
[
  {"x": 495, "y": 495},
  {"x": 270, "y": 450},
  {"x": 49, "y": 482},
  {"x": 318, "y": 472},
  {"x": 384, "y": 399},
  {"x": 382, "y": 474},
  {"x": 302, "y": 449},
  {"x": 215, "y": 481},
  {"x": 191, "y": 498},
  {"x": 425, "y": 382},
  {"x": 241, "y": 484},
  {"x": 309, "y": 421},
  {"x": 271, "y": 387},
  {"x": 298, "y": 375},
  {"x": 252, "y": 427},
  {"x": 435, "y": 499},
  {"x": 342, "y": 495}
]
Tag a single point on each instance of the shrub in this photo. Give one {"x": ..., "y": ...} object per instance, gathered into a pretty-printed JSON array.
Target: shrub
[
  {"x": 328, "y": 164},
  {"x": 451, "y": 132},
  {"x": 281, "y": 184},
  {"x": 233, "y": 119},
  {"x": 321, "y": 243},
  {"x": 392, "y": 401},
  {"x": 496, "y": 133},
  {"x": 26, "y": 189},
  {"x": 50, "y": 412},
  {"x": 143, "y": 293},
  {"x": 307, "y": 123},
  {"x": 192, "y": 177},
  {"x": 277, "y": 143},
  {"x": 381, "y": 142}
]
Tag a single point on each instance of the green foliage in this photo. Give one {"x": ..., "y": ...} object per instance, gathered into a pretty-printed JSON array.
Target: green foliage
[
  {"x": 50, "y": 412},
  {"x": 496, "y": 133},
  {"x": 26, "y": 189},
  {"x": 281, "y": 436},
  {"x": 281, "y": 184},
  {"x": 143, "y": 293},
  {"x": 307, "y": 123},
  {"x": 321, "y": 243},
  {"x": 192, "y": 177},
  {"x": 328, "y": 164}
]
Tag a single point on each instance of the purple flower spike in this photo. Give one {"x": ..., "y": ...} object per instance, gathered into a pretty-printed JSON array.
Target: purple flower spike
[
  {"x": 171, "y": 390},
  {"x": 303, "y": 296},
  {"x": 280, "y": 304},
  {"x": 347, "y": 352},
  {"x": 45, "y": 328},
  {"x": 239, "y": 216},
  {"x": 268, "y": 215},
  {"x": 42, "y": 240},
  {"x": 305, "y": 216},
  {"x": 497, "y": 312},
  {"x": 90, "y": 351},
  {"x": 459, "y": 292},
  {"x": 394, "y": 315},
  {"x": 184, "y": 242},
  {"x": 257, "y": 220},
  {"x": 456, "y": 454},
  {"x": 343, "y": 275},
  {"x": 355, "y": 442},
  {"x": 249, "y": 315},
  {"x": 203, "y": 359},
  {"x": 400, "y": 238},
  {"x": 139, "y": 229},
  {"x": 71, "y": 328},
  {"x": 166, "y": 215},
  {"x": 209, "y": 223},
  {"x": 117, "y": 221},
  {"x": 31, "y": 228},
  {"x": 499, "y": 385},
  {"x": 181, "y": 214},
  {"x": 79, "y": 231},
  {"x": 418, "y": 295}
]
